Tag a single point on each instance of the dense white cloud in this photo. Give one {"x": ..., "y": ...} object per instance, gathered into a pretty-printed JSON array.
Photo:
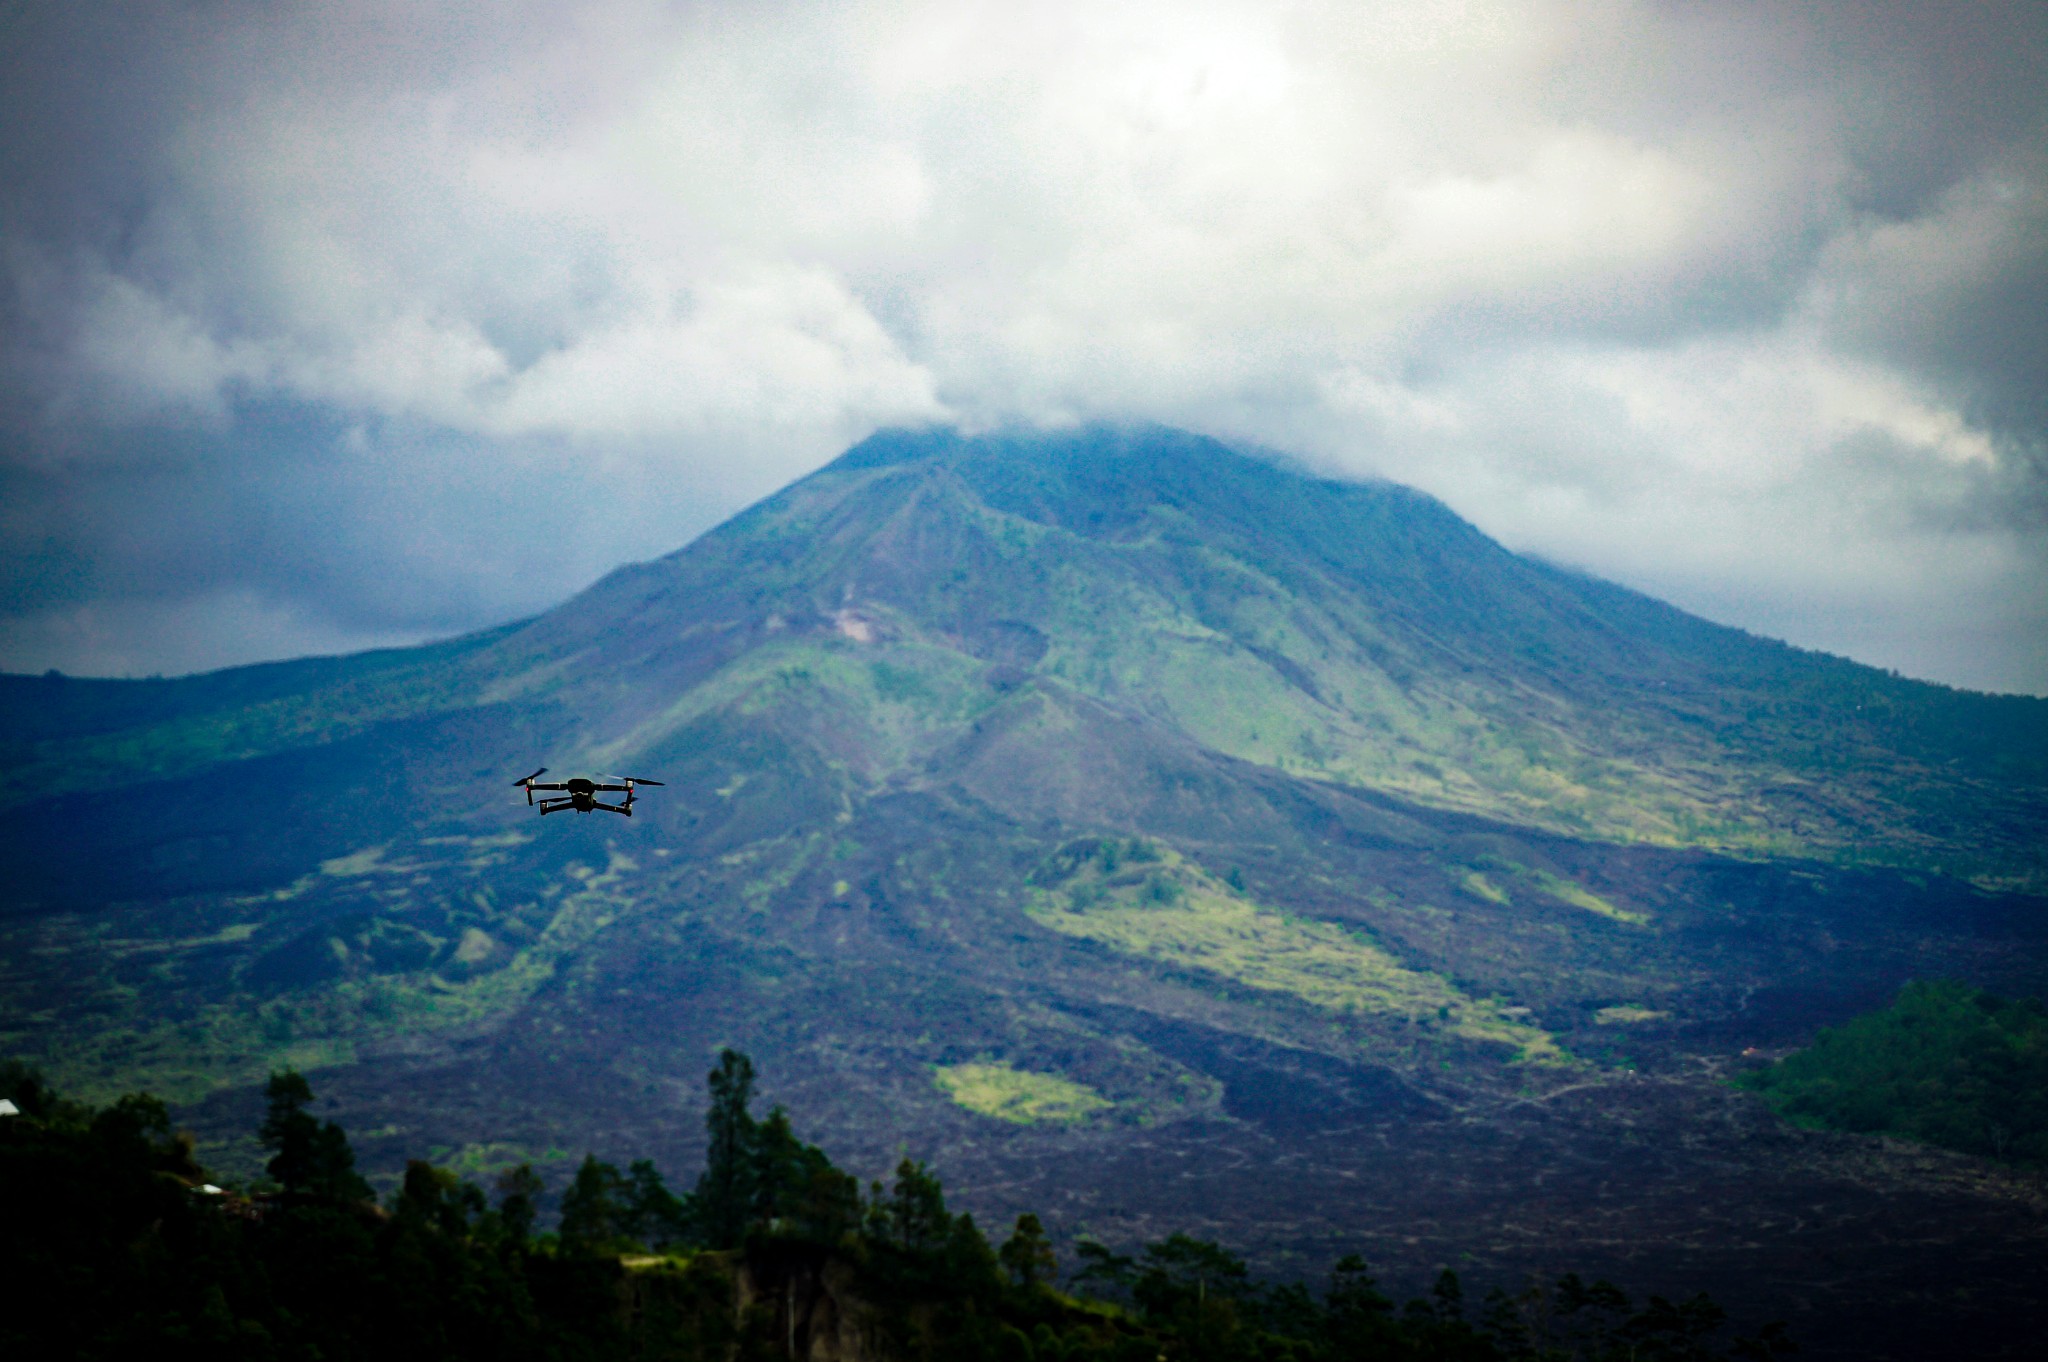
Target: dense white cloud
[{"x": 1740, "y": 305}]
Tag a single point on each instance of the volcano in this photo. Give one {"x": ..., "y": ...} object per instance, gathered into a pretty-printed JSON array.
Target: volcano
[{"x": 1144, "y": 831}]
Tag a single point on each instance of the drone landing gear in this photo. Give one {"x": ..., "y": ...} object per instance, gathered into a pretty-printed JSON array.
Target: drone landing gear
[{"x": 548, "y": 806}]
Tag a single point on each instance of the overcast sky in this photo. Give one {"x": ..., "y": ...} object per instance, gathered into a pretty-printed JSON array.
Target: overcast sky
[{"x": 331, "y": 325}]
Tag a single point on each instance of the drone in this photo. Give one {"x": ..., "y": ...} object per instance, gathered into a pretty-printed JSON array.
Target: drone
[{"x": 580, "y": 794}]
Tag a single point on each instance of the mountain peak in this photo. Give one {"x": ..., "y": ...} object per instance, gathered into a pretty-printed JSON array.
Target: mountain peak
[{"x": 1356, "y": 633}]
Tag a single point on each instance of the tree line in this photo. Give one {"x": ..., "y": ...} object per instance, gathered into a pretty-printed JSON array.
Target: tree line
[{"x": 117, "y": 1241}]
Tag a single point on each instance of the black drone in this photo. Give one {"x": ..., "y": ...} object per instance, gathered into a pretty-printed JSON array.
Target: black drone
[{"x": 580, "y": 794}]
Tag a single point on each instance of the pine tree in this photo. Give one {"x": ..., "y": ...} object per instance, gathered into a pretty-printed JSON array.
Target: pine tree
[
  {"x": 780, "y": 1169},
  {"x": 917, "y": 1218},
  {"x": 312, "y": 1156},
  {"x": 653, "y": 1214},
  {"x": 1358, "y": 1317},
  {"x": 724, "y": 1200},
  {"x": 437, "y": 1198},
  {"x": 519, "y": 1192},
  {"x": 594, "y": 1207},
  {"x": 1181, "y": 1270},
  {"x": 290, "y": 1130},
  {"x": 1027, "y": 1254}
]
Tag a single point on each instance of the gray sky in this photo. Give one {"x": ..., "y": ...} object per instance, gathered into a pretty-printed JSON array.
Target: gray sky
[{"x": 329, "y": 325}]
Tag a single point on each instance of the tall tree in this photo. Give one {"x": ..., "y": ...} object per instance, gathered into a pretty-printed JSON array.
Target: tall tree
[
  {"x": 1358, "y": 1318},
  {"x": 780, "y": 1169},
  {"x": 797, "y": 1191},
  {"x": 917, "y": 1217},
  {"x": 1181, "y": 1270},
  {"x": 653, "y": 1214},
  {"x": 971, "y": 1271},
  {"x": 1027, "y": 1254},
  {"x": 594, "y": 1207},
  {"x": 724, "y": 1200},
  {"x": 312, "y": 1156},
  {"x": 519, "y": 1192},
  {"x": 437, "y": 1198},
  {"x": 1102, "y": 1266},
  {"x": 290, "y": 1130}
]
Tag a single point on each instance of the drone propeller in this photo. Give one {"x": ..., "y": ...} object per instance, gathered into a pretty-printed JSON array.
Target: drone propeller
[
  {"x": 530, "y": 779},
  {"x": 634, "y": 780}
]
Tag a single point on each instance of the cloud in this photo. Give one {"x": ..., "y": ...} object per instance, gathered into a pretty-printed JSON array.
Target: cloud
[
  {"x": 1741, "y": 307},
  {"x": 782, "y": 348}
]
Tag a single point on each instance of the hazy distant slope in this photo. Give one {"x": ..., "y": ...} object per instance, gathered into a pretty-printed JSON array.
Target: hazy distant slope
[{"x": 62, "y": 733}]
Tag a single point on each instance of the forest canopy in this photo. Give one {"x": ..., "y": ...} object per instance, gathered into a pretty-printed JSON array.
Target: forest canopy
[{"x": 1945, "y": 1064}]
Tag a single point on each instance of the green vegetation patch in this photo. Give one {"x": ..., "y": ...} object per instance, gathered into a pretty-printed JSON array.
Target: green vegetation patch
[
  {"x": 1145, "y": 900},
  {"x": 477, "y": 946},
  {"x": 213, "y": 1047},
  {"x": 1476, "y": 884},
  {"x": 1017, "y": 1095},
  {"x": 1578, "y": 896},
  {"x": 365, "y": 862},
  {"x": 1944, "y": 1064},
  {"x": 124, "y": 1036},
  {"x": 487, "y": 1160},
  {"x": 887, "y": 700}
]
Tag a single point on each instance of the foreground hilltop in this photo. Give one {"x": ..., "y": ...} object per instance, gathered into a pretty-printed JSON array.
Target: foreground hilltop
[{"x": 1162, "y": 837}]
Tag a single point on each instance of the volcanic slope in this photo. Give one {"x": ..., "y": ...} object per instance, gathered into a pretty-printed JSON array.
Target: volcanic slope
[{"x": 1110, "y": 815}]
